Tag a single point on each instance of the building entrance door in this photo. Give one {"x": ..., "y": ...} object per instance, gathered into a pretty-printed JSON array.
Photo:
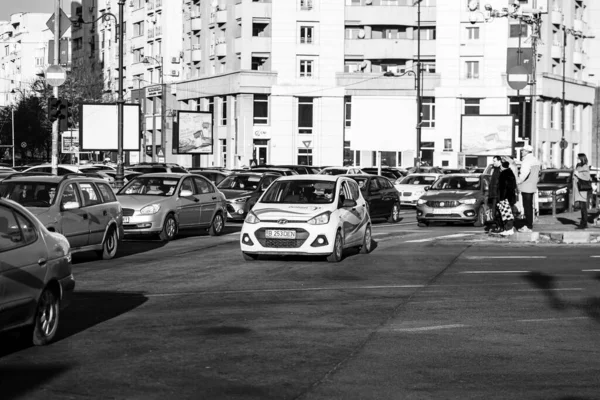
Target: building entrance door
[{"x": 261, "y": 151}]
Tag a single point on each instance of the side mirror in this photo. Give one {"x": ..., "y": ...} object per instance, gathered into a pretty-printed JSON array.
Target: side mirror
[
  {"x": 186, "y": 193},
  {"x": 70, "y": 205},
  {"x": 426, "y": 188},
  {"x": 349, "y": 203}
]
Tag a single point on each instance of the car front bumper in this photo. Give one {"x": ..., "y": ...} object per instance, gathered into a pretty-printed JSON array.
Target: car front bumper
[
  {"x": 143, "y": 224},
  {"x": 545, "y": 203},
  {"x": 236, "y": 211},
  {"x": 460, "y": 213},
  {"x": 310, "y": 239}
]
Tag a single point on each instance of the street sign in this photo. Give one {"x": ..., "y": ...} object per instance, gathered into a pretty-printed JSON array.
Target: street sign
[
  {"x": 23, "y": 144},
  {"x": 55, "y": 75},
  {"x": 160, "y": 153},
  {"x": 153, "y": 91},
  {"x": 63, "y": 51},
  {"x": 563, "y": 144},
  {"x": 65, "y": 23},
  {"x": 307, "y": 143},
  {"x": 517, "y": 77}
]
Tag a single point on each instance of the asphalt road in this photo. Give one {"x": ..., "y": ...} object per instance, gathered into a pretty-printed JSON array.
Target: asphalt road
[{"x": 432, "y": 313}]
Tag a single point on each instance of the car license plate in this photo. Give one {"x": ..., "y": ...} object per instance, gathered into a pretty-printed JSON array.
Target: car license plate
[
  {"x": 443, "y": 210},
  {"x": 125, "y": 220},
  {"x": 544, "y": 200},
  {"x": 280, "y": 234}
]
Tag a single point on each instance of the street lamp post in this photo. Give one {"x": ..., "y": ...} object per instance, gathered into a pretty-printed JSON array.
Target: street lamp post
[
  {"x": 163, "y": 107},
  {"x": 418, "y": 78},
  {"x": 120, "y": 99}
]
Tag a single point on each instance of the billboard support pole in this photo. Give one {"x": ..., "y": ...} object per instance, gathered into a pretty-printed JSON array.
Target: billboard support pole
[{"x": 54, "y": 158}]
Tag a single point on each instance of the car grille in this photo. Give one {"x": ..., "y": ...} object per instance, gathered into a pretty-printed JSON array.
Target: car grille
[
  {"x": 128, "y": 212},
  {"x": 443, "y": 215},
  {"x": 301, "y": 236},
  {"x": 545, "y": 193},
  {"x": 407, "y": 194},
  {"x": 446, "y": 204}
]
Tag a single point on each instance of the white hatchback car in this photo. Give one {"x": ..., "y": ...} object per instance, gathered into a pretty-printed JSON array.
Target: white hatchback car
[
  {"x": 308, "y": 215},
  {"x": 412, "y": 187}
]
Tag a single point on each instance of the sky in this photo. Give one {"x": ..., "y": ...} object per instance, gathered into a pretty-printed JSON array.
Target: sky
[{"x": 9, "y": 7}]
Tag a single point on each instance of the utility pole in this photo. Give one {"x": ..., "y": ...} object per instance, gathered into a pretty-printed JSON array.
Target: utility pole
[
  {"x": 54, "y": 159},
  {"x": 12, "y": 114},
  {"x": 562, "y": 109},
  {"x": 418, "y": 155},
  {"x": 120, "y": 101}
]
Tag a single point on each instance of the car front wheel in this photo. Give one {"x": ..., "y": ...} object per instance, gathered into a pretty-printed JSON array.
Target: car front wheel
[
  {"x": 169, "y": 229},
  {"x": 367, "y": 241},
  {"x": 110, "y": 245},
  {"x": 217, "y": 225},
  {"x": 338, "y": 249},
  {"x": 480, "y": 218},
  {"x": 46, "y": 318},
  {"x": 395, "y": 215}
]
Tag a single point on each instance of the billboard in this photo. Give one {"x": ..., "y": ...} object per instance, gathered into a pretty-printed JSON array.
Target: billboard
[
  {"x": 98, "y": 127},
  {"x": 193, "y": 133},
  {"x": 70, "y": 142},
  {"x": 487, "y": 135}
]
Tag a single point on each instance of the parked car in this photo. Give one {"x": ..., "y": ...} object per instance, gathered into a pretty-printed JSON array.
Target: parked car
[
  {"x": 35, "y": 271},
  {"x": 412, "y": 187},
  {"x": 213, "y": 175},
  {"x": 155, "y": 168},
  {"x": 276, "y": 170},
  {"x": 300, "y": 169},
  {"x": 476, "y": 170},
  {"x": 424, "y": 169},
  {"x": 447, "y": 171},
  {"x": 554, "y": 180},
  {"x": 5, "y": 171},
  {"x": 242, "y": 190},
  {"x": 455, "y": 198},
  {"x": 383, "y": 200},
  {"x": 308, "y": 215},
  {"x": 341, "y": 171},
  {"x": 127, "y": 175},
  {"x": 165, "y": 203},
  {"x": 387, "y": 172},
  {"x": 83, "y": 209},
  {"x": 62, "y": 169}
]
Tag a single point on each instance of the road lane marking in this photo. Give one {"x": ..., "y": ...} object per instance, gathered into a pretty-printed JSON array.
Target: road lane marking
[
  {"x": 429, "y": 328},
  {"x": 439, "y": 237},
  {"x": 500, "y": 257},
  {"x": 595, "y": 256},
  {"x": 551, "y": 319},
  {"x": 494, "y": 272},
  {"x": 590, "y": 270},
  {"x": 313, "y": 289},
  {"x": 552, "y": 290}
]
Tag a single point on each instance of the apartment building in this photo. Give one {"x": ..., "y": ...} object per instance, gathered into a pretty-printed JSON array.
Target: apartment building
[{"x": 23, "y": 53}]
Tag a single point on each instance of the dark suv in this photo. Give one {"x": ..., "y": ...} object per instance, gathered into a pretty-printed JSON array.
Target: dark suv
[
  {"x": 242, "y": 190},
  {"x": 84, "y": 209}
]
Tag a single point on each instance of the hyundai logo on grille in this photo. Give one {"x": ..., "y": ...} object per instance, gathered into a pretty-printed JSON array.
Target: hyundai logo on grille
[
  {"x": 282, "y": 221},
  {"x": 442, "y": 204}
]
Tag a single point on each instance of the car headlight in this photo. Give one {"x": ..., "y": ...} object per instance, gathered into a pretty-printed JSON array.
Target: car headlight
[
  {"x": 149, "y": 210},
  {"x": 241, "y": 199},
  {"x": 320, "y": 219},
  {"x": 468, "y": 201},
  {"x": 251, "y": 218},
  {"x": 421, "y": 202},
  {"x": 562, "y": 191}
]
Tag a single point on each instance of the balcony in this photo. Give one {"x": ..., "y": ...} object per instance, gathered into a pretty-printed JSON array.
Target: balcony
[
  {"x": 261, "y": 44},
  {"x": 578, "y": 25},
  {"x": 221, "y": 16},
  {"x": 150, "y": 33},
  {"x": 196, "y": 53},
  {"x": 221, "y": 49},
  {"x": 556, "y": 51},
  {"x": 578, "y": 57},
  {"x": 388, "y": 15},
  {"x": 556, "y": 17},
  {"x": 387, "y": 48},
  {"x": 187, "y": 25},
  {"x": 187, "y": 56},
  {"x": 196, "y": 24}
]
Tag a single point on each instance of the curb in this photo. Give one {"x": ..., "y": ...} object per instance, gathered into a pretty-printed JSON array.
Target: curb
[{"x": 553, "y": 237}]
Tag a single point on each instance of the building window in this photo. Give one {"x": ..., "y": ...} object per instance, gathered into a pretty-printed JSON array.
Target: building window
[
  {"x": 260, "y": 29},
  {"x": 348, "y": 111},
  {"x": 428, "y": 112},
  {"x": 224, "y": 152},
  {"x": 224, "y": 111},
  {"x": 305, "y": 115},
  {"x": 351, "y": 157},
  {"x": 306, "y": 68},
  {"x": 261, "y": 109},
  {"x": 138, "y": 55},
  {"x": 472, "y": 107},
  {"x": 138, "y": 29},
  {"x": 447, "y": 144},
  {"x": 555, "y": 116},
  {"x": 575, "y": 118},
  {"x": 427, "y": 66},
  {"x": 260, "y": 63},
  {"x": 306, "y": 5},
  {"x": 472, "y": 69},
  {"x": 472, "y": 33},
  {"x": 305, "y": 156},
  {"x": 306, "y": 34},
  {"x": 389, "y": 158},
  {"x": 427, "y": 34},
  {"x": 517, "y": 30},
  {"x": 137, "y": 81}
]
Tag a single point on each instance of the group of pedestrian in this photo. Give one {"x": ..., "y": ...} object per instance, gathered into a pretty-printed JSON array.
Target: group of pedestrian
[{"x": 509, "y": 186}]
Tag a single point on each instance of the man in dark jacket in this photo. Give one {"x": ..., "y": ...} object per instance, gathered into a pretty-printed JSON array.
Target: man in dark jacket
[
  {"x": 507, "y": 190},
  {"x": 493, "y": 194}
]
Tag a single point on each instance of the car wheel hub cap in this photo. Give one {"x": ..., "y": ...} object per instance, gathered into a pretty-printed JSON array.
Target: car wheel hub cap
[
  {"x": 171, "y": 227},
  {"x": 218, "y": 223},
  {"x": 368, "y": 238},
  {"x": 47, "y": 317}
]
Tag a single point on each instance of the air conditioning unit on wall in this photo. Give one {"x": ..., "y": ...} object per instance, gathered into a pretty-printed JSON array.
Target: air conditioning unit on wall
[{"x": 174, "y": 72}]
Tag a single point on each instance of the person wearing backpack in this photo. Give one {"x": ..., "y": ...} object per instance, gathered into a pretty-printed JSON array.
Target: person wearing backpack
[{"x": 583, "y": 185}]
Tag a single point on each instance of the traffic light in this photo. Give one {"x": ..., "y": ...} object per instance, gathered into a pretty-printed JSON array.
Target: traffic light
[
  {"x": 63, "y": 118},
  {"x": 53, "y": 111}
]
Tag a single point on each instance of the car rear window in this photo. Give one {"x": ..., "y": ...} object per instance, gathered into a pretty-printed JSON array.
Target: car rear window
[
  {"x": 30, "y": 194},
  {"x": 149, "y": 170},
  {"x": 178, "y": 170},
  {"x": 91, "y": 197}
]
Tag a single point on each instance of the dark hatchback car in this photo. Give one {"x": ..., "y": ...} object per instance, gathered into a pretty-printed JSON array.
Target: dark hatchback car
[
  {"x": 277, "y": 170},
  {"x": 383, "y": 200},
  {"x": 386, "y": 172},
  {"x": 242, "y": 190},
  {"x": 558, "y": 181},
  {"x": 213, "y": 175},
  {"x": 455, "y": 198}
]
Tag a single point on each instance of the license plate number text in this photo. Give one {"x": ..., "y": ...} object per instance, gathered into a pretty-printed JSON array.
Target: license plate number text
[{"x": 280, "y": 234}]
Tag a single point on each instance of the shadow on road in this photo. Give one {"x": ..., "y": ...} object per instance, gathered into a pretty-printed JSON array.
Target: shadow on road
[
  {"x": 547, "y": 283},
  {"x": 16, "y": 380},
  {"x": 350, "y": 252},
  {"x": 204, "y": 232}
]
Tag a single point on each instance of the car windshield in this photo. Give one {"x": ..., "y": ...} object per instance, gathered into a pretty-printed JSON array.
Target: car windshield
[
  {"x": 30, "y": 194},
  {"x": 555, "y": 177},
  {"x": 240, "y": 182},
  {"x": 299, "y": 192},
  {"x": 457, "y": 182},
  {"x": 150, "y": 186},
  {"x": 334, "y": 171},
  {"x": 417, "y": 180}
]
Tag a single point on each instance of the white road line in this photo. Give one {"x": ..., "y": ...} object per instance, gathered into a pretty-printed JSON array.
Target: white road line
[
  {"x": 439, "y": 237},
  {"x": 594, "y": 256},
  {"x": 553, "y": 290},
  {"x": 590, "y": 270},
  {"x": 500, "y": 257},
  {"x": 494, "y": 272},
  {"x": 313, "y": 289},
  {"x": 429, "y": 328},
  {"x": 551, "y": 319}
]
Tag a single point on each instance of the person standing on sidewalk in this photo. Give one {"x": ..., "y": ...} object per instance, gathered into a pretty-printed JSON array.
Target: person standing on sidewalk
[
  {"x": 493, "y": 196},
  {"x": 580, "y": 196},
  {"x": 507, "y": 192},
  {"x": 527, "y": 183}
]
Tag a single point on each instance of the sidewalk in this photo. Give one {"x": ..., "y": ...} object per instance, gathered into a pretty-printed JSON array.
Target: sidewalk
[{"x": 559, "y": 229}]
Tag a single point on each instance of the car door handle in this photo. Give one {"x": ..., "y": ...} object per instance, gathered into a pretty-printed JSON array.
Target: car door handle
[
  {"x": 196, "y": 200},
  {"x": 42, "y": 262},
  {"x": 214, "y": 198},
  {"x": 85, "y": 216},
  {"x": 105, "y": 213}
]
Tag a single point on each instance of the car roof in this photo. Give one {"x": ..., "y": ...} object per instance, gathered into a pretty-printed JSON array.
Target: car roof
[
  {"x": 238, "y": 173},
  {"x": 165, "y": 175},
  {"x": 324, "y": 178},
  {"x": 25, "y": 177}
]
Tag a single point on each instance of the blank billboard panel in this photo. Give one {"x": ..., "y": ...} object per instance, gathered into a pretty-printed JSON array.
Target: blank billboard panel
[{"x": 98, "y": 127}]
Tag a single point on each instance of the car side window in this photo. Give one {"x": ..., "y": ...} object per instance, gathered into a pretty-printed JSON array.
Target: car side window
[
  {"x": 354, "y": 190},
  {"x": 187, "y": 184},
  {"x": 70, "y": 195},
  {"x": 384, "y": 183},
  {"x": 374, "y": 185},
  {"x": 10, "y": 234},
  {"x": 266, "y": 181},
  {"x": 27, "y": 229},
  {"x": 91, "y": 197},
  {"x": 203, "y": 185},
  {"x": 107, "y": 194}
]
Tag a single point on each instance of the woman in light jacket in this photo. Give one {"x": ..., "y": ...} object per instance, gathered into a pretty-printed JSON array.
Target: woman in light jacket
[{"x": 582, "y": 172}]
